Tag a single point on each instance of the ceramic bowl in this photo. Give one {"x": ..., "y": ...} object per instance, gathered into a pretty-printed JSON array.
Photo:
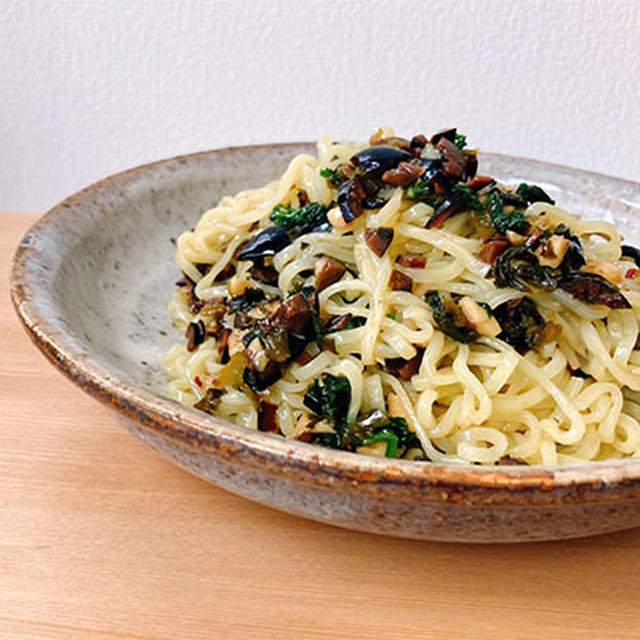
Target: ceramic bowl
[{"x": 91, "y": 280}]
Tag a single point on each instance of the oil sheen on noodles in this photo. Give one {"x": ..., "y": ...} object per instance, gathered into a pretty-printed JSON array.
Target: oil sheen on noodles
[{"x": 474, "y": 402}]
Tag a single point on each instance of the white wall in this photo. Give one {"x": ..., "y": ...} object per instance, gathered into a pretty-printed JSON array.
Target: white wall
[{"x": 89, "y": 87}]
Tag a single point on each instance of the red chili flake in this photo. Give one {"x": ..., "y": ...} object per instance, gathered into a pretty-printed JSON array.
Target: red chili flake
[
  {"x": 197, "y": 380},
  {"x": 630, "y": 273}
]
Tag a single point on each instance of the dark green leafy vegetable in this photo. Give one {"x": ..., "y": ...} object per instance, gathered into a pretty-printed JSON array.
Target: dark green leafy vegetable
[
  {"x": 469, "y": 198},
  {"x": 333, "y": 176},
  {"x": 329, "y": 397},
  {"x": 378, "y": 427},
  {"x": 418, "y": 190},
  {"x": 445, "y": 318},
  {"x": 521, "y": 323},
  {"x": 532, "y": 193},
  {"x": 297, "y": 222},
  {"x": 501, "y": 221},
  {"x": 385, "y": 435},
  {"x": 266, "y": 243},
  {"x": 592, "y": 289},
  {"x": 518, "y": 267},
  {"x": 460, "y": 141}
]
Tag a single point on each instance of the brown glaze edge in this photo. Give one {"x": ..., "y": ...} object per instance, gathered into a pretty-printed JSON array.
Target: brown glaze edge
[{"x": 616, "y": 481}]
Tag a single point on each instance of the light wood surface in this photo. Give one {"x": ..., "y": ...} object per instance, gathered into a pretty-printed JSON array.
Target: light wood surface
[{"x": 100, "y": 537}]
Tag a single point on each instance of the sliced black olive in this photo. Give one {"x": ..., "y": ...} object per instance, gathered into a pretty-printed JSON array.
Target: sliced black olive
[
  {"x": 451, "y": 205},
  {"x": 418, "y": 141},
  {"x": 533, "y": 193},
  {"x": 509, "y": 198},
  {"x": 631, "y": 252},
  {"x": 432, "y": 167},
  {"x": 453, "y": 160},
  {"x": 470, "y": 164},
  {"x": 195, "y": 334},
  {"x": 267, "y": 243},
  {"x": 374, "y": 161},
  {"x": 321, "y": 228},
  {"x": 350, "y": 197},
  {"x": 245, "y": 302},
  {"x": 449, "y": 134},
  {"x": 374, "y": 203},
  {"x": 260, "y": 380},
  {"x": 592, "y": 288}
]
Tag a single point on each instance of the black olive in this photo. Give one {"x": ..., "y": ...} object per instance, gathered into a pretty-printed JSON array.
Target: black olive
[
  {"x": 631, "y": 252},
  {"x": 195, "y": 334},
  {"x": 432, "y": 167},
  {"x": 508, "y": 198},
  {"x": 374, "y": 203},
  {"x": 451, "y": 205},
  {"x": 449, "y": 134},
  {"x": 470, "y": 164},
  {"x": 246, "y": 302},
  {"x": 374, "y": 161},
  {"x": 350, "y": 197},
  {"x": 593, "y": 289},
  {"x": 321, "y": 228},
  {"x": 266, "y": 243}
]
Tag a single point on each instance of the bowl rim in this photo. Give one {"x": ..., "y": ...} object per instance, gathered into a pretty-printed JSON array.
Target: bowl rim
[{"x": 315, "y": 464}]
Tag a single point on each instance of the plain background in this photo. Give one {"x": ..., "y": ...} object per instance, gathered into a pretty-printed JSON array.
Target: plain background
[{"x": 91, "y": 87}]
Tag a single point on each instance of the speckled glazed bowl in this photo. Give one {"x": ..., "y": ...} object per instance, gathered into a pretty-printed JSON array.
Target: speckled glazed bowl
[{"x": 91, "y": 280}]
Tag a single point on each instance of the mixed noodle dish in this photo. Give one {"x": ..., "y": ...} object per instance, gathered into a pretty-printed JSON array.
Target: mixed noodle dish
[{"x": 387, "y": 298}]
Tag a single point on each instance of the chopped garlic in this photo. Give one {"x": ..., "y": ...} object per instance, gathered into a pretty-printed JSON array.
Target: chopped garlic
[
  {"x": 552, "y": 252},
  {"x": 337, "y": 221},
  {"x": 235, "y": 344},
  {"x": 478, "y": 317},
  {"x": 375, "y": 449},
  {"x": 515, "y": 238},
  {"x": 473, "y": 312},
  {"x": 257, "y": 355},
  {"x": 237, "y": 286},
  {"x": 396, "y": 407}
]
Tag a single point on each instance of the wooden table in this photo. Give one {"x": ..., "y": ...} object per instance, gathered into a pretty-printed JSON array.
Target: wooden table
[{"x": 100, "y": 537}]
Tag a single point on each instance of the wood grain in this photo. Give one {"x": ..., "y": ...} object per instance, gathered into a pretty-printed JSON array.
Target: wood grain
[{"x": 102, "y": 538}]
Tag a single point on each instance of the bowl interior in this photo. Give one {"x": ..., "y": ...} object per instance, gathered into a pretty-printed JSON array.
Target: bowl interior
[{"x": 106, "y": 257}]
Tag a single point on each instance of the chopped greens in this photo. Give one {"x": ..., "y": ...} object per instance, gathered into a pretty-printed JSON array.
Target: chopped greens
[
  {"x": 448, "y": 322},
  {"x": 418, "y": 190},
  {"x": 333, "y": 176},
  {"x": 297, "y": 222},
  {"x": 329, "y": 397},
  {"x": 518, "y": 267},
  {"x": 502, "y": 221},
  {"x": 469, "y": 198},
  {"x": 460, "y": 140},
  {"x": 377, "y": 427}
]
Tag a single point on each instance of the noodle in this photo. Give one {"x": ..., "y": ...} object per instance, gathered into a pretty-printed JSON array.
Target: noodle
[{"x": 439, "y": 348}]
